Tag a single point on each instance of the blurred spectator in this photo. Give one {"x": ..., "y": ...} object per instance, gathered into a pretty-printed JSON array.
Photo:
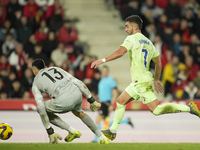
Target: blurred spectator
[
  {"x": 30, "y": 9},
  {"x": 94, "y": 84},
  {"x": 22, "y": 2},
  {"x": 23, "y": 30},
  {"x": 50, "y": 43},
  {"x": 16, "y": 90},
  {"x": 150, "y": 31},
  {"x": 184, "y": 53},
  {"x": 44, "y": 3},
  {"x": 192, "y": 68},
  {"x": 65, "y": 66},
  {"x": 190, "y": 91},
  {"x": 4, "y": 75},
  {"x": 4, "y": 63},
  {"x": 197, "y": 95},
  {"x": 7, "y": 29},
  {"x": 3, "y": 95},
  {"x": 59, "y": 55},
  {"x": 191, "y": 4},
  {"x": 180, "y": 84},
  {"x": 166, "y": 57},
  {"x": 3, "y": 14},
  {"x": 167, "y": 36},
  {"x": 26, "y": 95},
  {"x": 17, "y": 58},
  {"x": 131, "y": 9},
  {"x": 28, "y": 64},
  {"x": 42, "y": 32},
  {"x": 39, "y": 16},
  {"x": 11, "y": 77},
  {"x": 56, "y": 14},
  {"x": 162, "y": 24},
  {"x": 27, "y": 79},
  {"x": 11, "y": 8},
  {"x": 162, "y": 4},
  {"x": 88, "y": 71},
  {"x": 189, "y": 16},
  {"x": 67, "y": 34},
  {"x": 51, "y": 64},
  {"x": 197, "y": 23},
  {"x": 38, "y": 53},
  {"x": 197, "y": 56},
  {"x": 184, "y": 31},
  {"x": 197, "y": 80},
  {"x": 170, "y": 74},
  {"x": 147, "y": 19},
  {"x": 159, "y": 45},
  {"x": 176, "y": 43},
  {"x": 76, "y": 63},
  {"x": 29, "y": 45},
  {"x": 173, "y": 11},
  {"x": 149, "y": 5},
  {"x": 1, "y": 85},
  {"x": 9, "y": 45},
  {"x": 51, "y": 9},
  {"x": 193, "y": 46}
]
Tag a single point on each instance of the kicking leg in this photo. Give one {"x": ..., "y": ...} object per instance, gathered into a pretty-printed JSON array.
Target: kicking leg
[
  {"x": 93, "y": 127},
  {"x": 157, "y": 109}
]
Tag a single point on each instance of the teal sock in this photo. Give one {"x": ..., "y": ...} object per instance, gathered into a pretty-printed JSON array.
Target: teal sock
[
  {"x": 96, "y": 137},
  {"x": 119, "y": 114},
  {"x": 123, "y": 121},
  {"x": 170, "y": 108}
]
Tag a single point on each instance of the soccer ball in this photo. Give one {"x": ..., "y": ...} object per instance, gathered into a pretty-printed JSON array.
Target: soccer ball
[{"x": 6, "y": 131}]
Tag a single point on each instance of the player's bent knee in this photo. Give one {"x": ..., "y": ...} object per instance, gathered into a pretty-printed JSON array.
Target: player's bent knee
[{"x": 79, "y": 114}]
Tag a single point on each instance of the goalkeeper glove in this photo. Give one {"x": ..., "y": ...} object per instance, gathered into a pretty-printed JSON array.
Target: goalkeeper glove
[
  {"x": 94, "y": 105},
  {"x": 53, "y": 136}
]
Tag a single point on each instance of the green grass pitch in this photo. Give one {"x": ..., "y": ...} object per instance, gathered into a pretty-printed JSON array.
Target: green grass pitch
[{"x": 95, "y": 146}]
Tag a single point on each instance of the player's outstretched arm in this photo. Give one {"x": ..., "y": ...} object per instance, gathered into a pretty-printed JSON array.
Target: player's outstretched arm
[
  {"x": 158, "y": 67},
  {"x": 119, "y": 53},
  {"x": 94, "y": 105},
  {"x": 43, "y": 115}
]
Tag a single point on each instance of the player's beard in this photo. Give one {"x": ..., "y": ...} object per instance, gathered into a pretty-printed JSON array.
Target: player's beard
[{"x": 130, "y": 32}]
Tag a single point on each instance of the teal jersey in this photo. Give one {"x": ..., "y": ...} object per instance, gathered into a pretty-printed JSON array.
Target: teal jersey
[{"x": 141, "y": 51}]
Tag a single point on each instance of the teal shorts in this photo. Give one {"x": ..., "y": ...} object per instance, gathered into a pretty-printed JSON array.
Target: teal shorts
[{"x": 143, "y": 91}]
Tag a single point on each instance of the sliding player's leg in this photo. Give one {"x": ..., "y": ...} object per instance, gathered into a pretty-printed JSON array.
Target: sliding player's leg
[
  {"x": 57, "y": 121},
  {"x": 51, "y": 109},
  {"x": 172, "y": 108},
  {"x": 149, "y": 98},
  {"x": 91, "y": 125}
]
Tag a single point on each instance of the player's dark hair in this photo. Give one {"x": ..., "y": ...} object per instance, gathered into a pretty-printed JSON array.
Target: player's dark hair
[
  {"x": 38, "y": 63},
  {"x": 135, "y": 19}
]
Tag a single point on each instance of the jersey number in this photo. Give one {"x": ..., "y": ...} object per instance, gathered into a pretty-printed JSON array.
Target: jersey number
[
  {"x": 145, "y": 57},
  {"x": 59, "y": 76}
]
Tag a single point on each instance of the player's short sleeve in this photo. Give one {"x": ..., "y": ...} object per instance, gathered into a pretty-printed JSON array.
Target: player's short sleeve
[
  {"x": 127, "y": 43},
  {"x": 155, "y": 52}
]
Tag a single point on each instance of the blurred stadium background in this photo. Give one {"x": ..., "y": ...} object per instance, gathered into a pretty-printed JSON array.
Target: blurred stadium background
[{"x": 32, "y": 29}]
